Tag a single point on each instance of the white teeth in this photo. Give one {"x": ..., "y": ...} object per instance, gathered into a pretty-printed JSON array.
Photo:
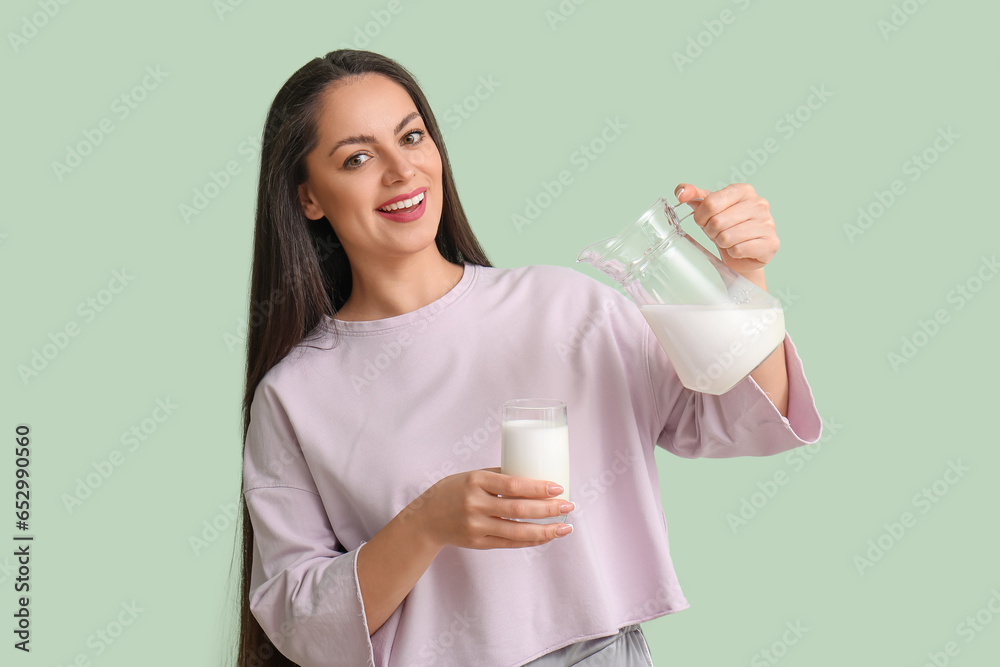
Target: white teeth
[{"x": 406, "y": 203}]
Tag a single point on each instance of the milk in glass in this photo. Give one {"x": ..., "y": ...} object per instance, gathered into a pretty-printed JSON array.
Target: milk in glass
[{"x": 537, "y": 449}]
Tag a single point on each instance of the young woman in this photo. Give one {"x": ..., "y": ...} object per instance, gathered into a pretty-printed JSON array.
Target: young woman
[{"x": 372, "y": 529}]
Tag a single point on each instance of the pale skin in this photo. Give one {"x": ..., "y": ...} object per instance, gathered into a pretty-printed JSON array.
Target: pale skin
[{"x": 397, "y": 268}]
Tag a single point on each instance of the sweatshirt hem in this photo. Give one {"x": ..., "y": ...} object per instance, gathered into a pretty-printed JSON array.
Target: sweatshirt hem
[{"x": 598, "y": 635}]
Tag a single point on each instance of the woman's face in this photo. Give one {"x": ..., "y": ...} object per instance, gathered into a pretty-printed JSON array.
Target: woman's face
[{"x": 373, "y": 147}]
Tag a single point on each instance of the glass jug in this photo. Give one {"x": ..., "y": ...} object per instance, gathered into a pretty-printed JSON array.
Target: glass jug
[{"x": 715, "y": 325}]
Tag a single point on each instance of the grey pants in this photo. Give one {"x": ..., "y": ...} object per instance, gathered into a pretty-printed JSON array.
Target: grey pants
[{"x": 626, "y": 649}]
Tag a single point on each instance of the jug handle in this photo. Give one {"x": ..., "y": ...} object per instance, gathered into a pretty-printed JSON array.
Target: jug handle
[{"x": 692, "y": 212}]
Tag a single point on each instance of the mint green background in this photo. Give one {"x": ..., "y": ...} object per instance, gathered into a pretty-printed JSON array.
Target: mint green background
[{"x": 163, "y": 336}]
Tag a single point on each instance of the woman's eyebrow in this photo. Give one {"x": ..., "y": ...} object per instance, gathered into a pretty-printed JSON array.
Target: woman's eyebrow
[{"x": 367, "y": 138}]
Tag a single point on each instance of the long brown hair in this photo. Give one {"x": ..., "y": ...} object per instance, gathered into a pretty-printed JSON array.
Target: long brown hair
[{"x": 300, "y": 271}]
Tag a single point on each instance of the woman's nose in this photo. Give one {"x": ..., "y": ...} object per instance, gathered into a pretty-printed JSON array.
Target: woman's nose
[{"x": 399, "y": 166}]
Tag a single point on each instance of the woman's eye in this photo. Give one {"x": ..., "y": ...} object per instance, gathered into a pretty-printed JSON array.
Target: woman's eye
[
  {"x": 352, "y": 162},
  {"x": 356, "y": 161},
  {"x": 419, "y": 137}
]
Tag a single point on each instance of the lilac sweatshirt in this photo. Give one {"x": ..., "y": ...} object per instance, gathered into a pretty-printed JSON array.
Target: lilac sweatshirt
[{"x": 342, "y": 439}]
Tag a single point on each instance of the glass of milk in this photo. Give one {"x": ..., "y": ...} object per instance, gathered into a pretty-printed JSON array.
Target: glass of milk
[{"x": 535, "y": 444}]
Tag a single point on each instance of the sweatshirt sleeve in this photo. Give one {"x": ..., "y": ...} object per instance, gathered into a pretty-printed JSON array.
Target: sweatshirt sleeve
[
  {"x": 740, "y": 422},
  {"x": 304, "y": 588}
]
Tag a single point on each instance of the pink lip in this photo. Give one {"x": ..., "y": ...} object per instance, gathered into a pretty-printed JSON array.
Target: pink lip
[
  {"x": 407, "y": 216},
  {"x": 401, "y": 197}
]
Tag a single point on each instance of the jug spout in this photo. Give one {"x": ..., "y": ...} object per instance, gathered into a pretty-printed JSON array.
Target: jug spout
[
  {"x": 619, "y": 256},
  {"x": 599, "y": 256}
]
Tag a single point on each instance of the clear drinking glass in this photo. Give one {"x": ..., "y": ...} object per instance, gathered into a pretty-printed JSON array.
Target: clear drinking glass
[{"x": 535, "y": 444}]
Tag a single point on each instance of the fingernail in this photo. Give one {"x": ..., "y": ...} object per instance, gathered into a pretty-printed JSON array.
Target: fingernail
[
  {"x": 567, "y": 507},
  {"x": 678, "y": 193},
  {"x": 555, "y": 489},
  {"x": 564, "y": 530}
]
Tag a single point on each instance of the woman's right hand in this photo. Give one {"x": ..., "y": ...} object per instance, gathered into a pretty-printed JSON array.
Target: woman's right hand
[{"x": 463, "y": 509}]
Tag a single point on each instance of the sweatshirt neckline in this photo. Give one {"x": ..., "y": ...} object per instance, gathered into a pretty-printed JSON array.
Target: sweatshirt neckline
[{"x": 427, "y": 312}]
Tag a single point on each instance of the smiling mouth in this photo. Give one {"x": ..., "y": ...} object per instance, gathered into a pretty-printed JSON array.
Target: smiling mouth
[{"x": 403, "y": 206}]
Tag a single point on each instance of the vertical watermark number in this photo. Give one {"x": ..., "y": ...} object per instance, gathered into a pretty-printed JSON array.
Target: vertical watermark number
[{"x": 22, "y": 543}]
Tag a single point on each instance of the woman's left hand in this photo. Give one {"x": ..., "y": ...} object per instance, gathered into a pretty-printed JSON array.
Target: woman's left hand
[{"x": 739, "y": 223}]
